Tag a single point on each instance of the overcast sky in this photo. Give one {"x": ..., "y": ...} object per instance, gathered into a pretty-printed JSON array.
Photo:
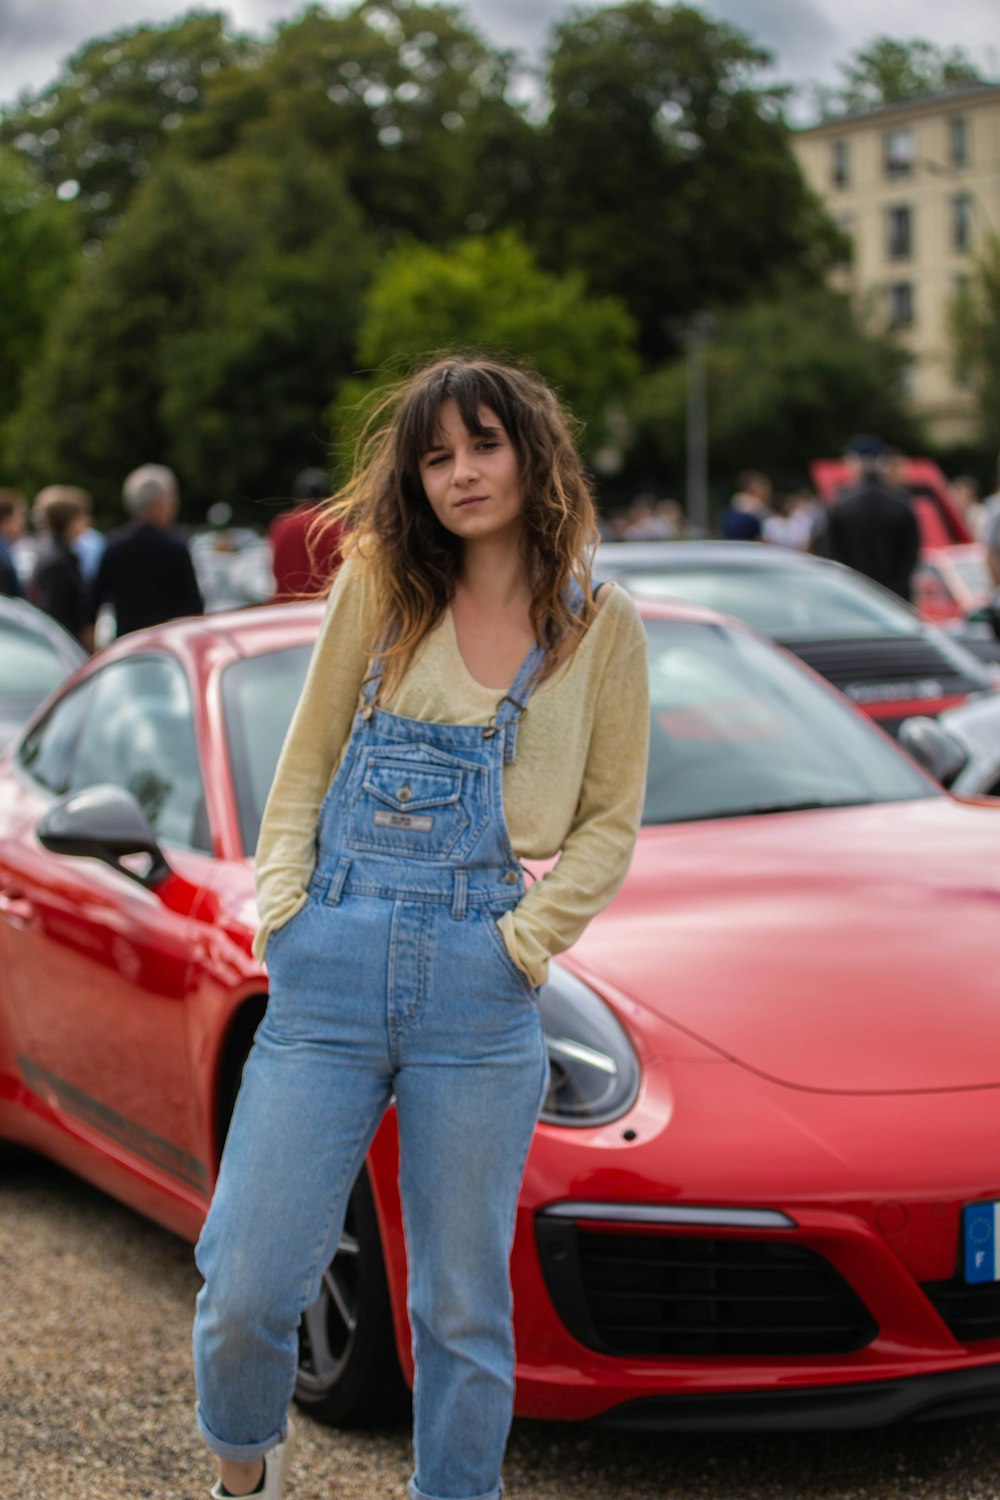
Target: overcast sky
[{"x": 808, "y": 37}]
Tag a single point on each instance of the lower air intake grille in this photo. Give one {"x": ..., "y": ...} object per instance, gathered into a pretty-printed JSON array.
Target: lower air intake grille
[
  {"x": 673, "y": 1295},
  {"x": 971, "y": 1312}
]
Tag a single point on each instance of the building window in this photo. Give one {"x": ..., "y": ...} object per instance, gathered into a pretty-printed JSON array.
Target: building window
[
  {"x": 959, "y": 131},
  {"x": 898, "y": 151},
  {"x": 840, "y": 170},
  {"x": 901, "y": 304},
  {"x": 899, "y": 232},
  {"x": 961, "y": 223}
]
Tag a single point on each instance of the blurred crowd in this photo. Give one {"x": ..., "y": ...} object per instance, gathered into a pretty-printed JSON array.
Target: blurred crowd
[
  {"x": 145, "y": 572},
  {"x": 869, "y": 524}
]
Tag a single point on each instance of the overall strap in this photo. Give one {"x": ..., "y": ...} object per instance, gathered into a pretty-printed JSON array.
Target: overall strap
[
  {"x": 515, "y": 700},
  {"x": 370, "y": 687}
]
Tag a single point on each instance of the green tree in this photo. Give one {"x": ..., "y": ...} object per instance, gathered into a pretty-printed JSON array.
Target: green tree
[
  {"x": 207, "y": 336},
  {"x": 890, "y": 70},
  {"x": 488, "y": 293},
  {"x": 39, "y": 258},
  {"x": 668, "y": 175},
  {"x": 789, "y": 380},
  {"x": 403, "y": 98},
  {"x": 104, "y": 121},
  {"x": 975, "y": 324}
]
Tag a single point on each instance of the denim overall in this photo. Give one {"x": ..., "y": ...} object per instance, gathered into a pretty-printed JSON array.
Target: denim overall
[{"x": 392, "y": 980}]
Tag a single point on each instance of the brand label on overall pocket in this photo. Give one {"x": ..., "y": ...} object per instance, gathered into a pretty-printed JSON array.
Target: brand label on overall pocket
[{"x": 415, "y": 822}]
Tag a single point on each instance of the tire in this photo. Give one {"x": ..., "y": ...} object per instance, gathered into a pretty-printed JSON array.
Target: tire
[{"x": 349, "y": 1373}]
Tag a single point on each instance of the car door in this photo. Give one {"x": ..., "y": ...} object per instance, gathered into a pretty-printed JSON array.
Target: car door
[{"x": 99, "y": 969}]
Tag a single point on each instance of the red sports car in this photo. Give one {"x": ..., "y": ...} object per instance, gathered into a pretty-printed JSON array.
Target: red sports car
[{"x": 765, "y": 1190}]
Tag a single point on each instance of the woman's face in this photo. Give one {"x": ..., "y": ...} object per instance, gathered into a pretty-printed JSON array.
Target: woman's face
[{"x": 473, "y": 482}]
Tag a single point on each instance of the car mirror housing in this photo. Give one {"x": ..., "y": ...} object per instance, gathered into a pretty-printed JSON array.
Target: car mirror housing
[
  {"x": 104, "y": 822},
  {"x": 987, "y": 614},
  {"x": 934, "y": 748}
]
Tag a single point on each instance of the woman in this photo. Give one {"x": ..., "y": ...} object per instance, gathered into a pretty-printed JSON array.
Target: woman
[
  {"x": 57, "y": 584},
  {"x": 469, "y": 703}
]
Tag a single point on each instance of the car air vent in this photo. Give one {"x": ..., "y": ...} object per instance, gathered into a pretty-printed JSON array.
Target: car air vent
[
  {"x": 890, "y": 661},
  {"x": 669, "y": 1296},
  {"x": 971, "y": 1312}
]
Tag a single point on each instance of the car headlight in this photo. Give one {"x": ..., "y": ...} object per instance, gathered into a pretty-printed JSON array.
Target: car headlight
[{"x": 595, "y": 1072}]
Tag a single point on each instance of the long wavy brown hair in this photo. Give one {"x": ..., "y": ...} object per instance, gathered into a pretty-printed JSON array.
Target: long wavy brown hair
[{"x": 411, "y": 559}]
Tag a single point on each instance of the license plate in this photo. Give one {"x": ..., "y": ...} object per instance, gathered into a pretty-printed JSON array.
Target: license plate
[{"x": 981, "y": 1241}]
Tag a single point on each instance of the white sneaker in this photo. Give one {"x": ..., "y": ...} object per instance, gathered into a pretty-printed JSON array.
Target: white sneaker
[{"x": 275, "y": 1464}]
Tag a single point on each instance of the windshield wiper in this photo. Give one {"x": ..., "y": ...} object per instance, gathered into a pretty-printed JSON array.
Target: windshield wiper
[
  {"x": 771, "y": 807},
  {"x": 803, "y": 806}
]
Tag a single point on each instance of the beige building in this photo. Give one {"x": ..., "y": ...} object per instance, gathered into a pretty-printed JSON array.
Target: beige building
[{"x": 916, "y": 186}]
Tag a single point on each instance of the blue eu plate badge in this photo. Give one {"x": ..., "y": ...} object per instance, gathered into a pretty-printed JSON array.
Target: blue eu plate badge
[{"x": 981, "y": 1236}]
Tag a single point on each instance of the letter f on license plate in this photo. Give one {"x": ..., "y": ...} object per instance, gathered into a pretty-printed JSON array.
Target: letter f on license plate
[{"x": 981, "y": 1240}]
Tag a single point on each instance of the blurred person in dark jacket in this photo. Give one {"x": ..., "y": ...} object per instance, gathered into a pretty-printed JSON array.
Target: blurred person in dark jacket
[
  {"x": 146, "y": 573},
  {"x": 871, "y": 525},
  {"x": 57, "y": 582},
  {"x": 743, "y": 518},
  {"x": 13, "y": 519},
  {"x": 304, "y": 555}
]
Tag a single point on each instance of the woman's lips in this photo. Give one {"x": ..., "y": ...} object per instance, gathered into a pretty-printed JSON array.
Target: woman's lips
[{"x": 471, "y": 500}]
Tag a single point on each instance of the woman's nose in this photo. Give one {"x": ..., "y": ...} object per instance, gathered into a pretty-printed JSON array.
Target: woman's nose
[{"x": 465, "y": 465}]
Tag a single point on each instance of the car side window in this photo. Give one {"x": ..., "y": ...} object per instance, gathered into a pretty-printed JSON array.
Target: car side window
[
  {"x": 46, "y": 752},
  {"x": 139, "y": 734}
]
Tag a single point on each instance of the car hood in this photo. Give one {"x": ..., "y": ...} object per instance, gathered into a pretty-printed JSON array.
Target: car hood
[{"x": 849, "y": 950}]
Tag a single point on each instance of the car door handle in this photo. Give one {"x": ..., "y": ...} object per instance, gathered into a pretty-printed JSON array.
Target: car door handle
[{"x": 16, "y": 908}]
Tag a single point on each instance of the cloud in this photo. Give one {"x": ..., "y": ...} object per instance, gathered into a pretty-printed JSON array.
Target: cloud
[
  {"x": 797, "y": 31},
  {"x": 808, "y": 37},
  {"x": 37, "y": 37}
]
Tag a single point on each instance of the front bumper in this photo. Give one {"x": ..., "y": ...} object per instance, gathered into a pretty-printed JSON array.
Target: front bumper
[
  {"x": 877, "y": 1403},
  {"x": 900, "y": 1362}
]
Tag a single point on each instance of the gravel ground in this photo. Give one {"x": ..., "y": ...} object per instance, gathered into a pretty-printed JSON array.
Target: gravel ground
[{"x": 96, "y": 1392}]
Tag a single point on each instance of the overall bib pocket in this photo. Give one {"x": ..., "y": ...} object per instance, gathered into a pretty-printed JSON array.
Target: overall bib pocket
[{"x": 415, "y": 807}]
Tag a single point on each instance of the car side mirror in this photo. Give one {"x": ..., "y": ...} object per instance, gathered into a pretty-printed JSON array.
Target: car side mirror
[
  {"x": 934, "y": 748},
  {"x": 986, "y": 614},
  {"x": 104, "y": 822}
]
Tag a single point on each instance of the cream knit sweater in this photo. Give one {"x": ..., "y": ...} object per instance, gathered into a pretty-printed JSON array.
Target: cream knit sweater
[{"x": 575, "y": 789}]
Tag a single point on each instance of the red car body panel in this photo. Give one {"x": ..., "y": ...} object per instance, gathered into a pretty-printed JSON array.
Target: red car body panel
[
  {"x": 812, "y": 998},
  {"x": 951, "y": 582}
]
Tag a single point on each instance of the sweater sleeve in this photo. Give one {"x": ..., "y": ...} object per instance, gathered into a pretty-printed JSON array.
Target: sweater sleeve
[
  {"x": 320, "y": 727},
  {"x": 598, "y": 848}
]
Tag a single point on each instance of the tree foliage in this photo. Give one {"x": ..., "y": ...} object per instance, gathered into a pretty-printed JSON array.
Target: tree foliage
[
  {"x": 890, "y": 70},
  {"x": 669, "y": 178},
  {"x": 789, "y": 380},
  {"x": 103, "y": 123},
  {"x": 208, "y": 336},
  {"x": 39, "y": 258},
  {"x": 242, "y": 196},
  {"x": 489, "y": 294},
  {"x": 403, "y": 98},
  {"x": 975, "y": 323}
]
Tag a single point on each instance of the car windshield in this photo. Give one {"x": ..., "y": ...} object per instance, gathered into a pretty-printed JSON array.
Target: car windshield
[
  {"x": 259, "y": 695},
  {"x": 790, "y": 603},
  {"x": 735, "y": 728},
  {"x": 30, "y": 666}
]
